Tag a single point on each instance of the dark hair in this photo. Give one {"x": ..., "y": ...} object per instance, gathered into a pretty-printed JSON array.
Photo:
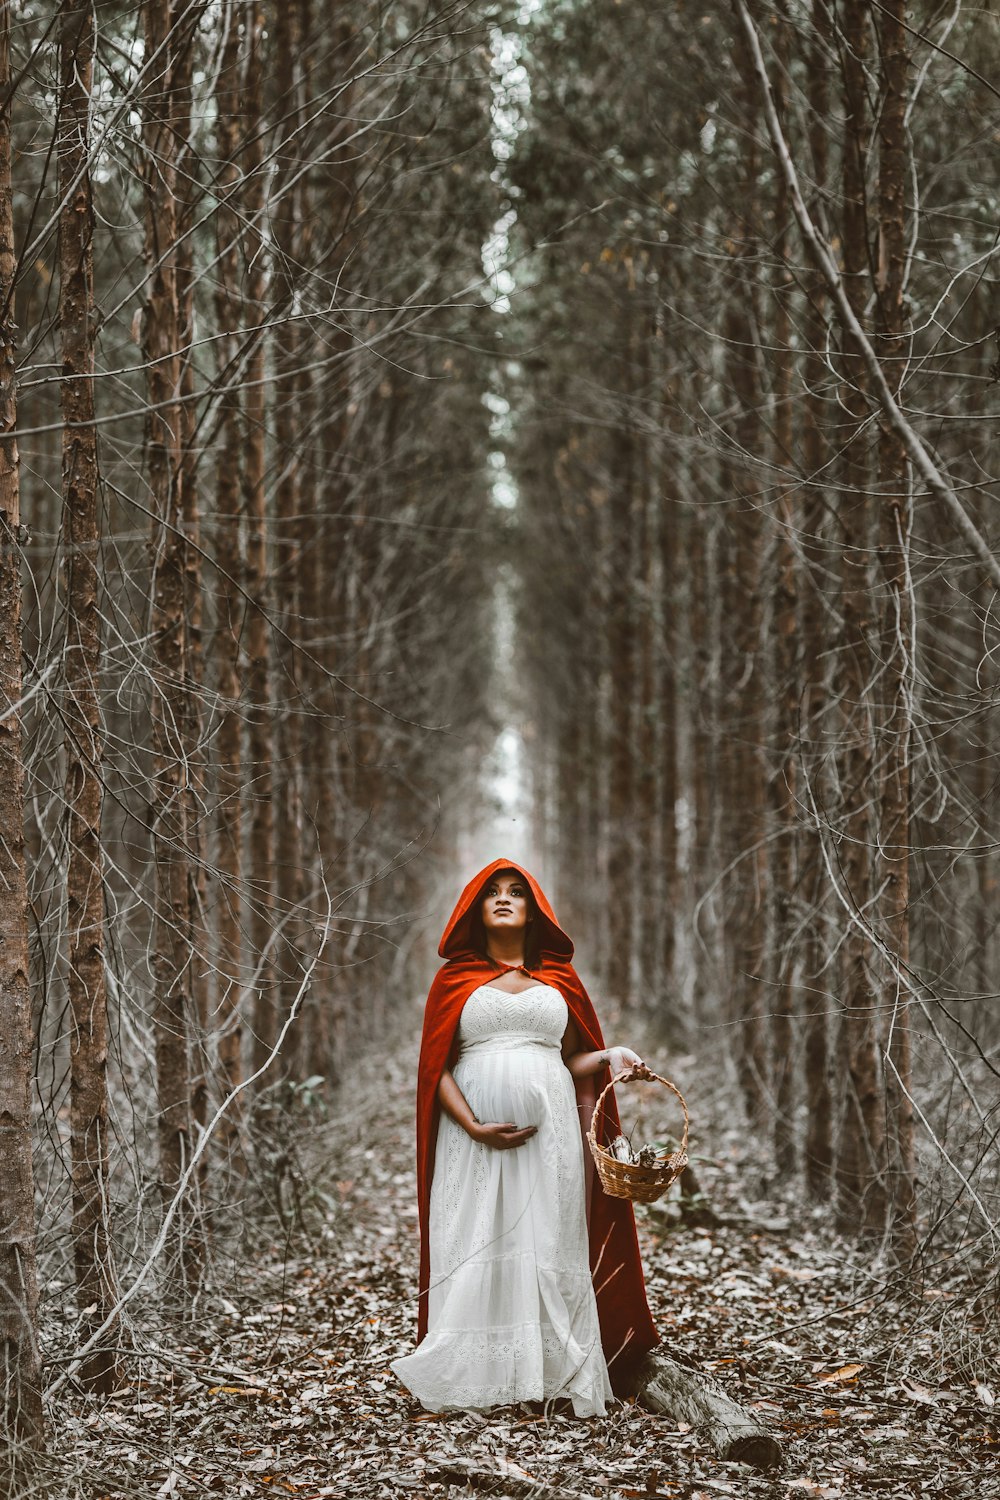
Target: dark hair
[{"x": 533, "y": 935}]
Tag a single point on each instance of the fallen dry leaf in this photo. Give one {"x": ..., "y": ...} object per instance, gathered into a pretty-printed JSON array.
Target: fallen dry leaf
[
  {"x": 918, "y": 1392},
  {"x": 845, "y": 1372}
]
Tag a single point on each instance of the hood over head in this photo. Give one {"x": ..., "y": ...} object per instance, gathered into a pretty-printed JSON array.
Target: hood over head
[{"x": 457, "y": 935}]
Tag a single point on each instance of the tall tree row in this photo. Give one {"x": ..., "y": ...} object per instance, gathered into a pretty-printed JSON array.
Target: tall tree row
[
  {"x": 764, "y": 635},
  {"x": 242, "y": 306}
]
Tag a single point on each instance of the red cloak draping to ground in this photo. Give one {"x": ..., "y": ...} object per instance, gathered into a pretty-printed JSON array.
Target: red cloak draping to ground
[{"x": 627, "y": 1330}]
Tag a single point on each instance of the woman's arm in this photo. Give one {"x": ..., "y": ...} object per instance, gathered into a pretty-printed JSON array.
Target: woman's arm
[
  {"x": 454, "y": 1103},
  {"x": 584, "y": 1064},
  {"x": 500, "y": 1136}
]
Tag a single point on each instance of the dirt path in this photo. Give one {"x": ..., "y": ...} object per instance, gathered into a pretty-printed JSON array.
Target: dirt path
[{"x": 293, "y": 1395}]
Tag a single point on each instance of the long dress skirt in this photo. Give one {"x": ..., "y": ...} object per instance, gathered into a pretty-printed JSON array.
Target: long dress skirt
[{"x": 511, "y": 1312}]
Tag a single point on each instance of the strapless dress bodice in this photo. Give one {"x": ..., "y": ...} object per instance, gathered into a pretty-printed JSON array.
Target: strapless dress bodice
[{"x": 496, "y": 1020}]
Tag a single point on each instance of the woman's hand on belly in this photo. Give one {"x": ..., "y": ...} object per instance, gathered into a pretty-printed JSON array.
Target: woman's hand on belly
[{"x": 502, "y": 1137}]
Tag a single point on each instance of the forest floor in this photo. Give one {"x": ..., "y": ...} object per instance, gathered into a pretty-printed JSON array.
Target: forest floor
[{"x": 283, "y": 1387}]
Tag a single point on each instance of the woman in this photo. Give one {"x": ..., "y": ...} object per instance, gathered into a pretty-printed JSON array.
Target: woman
[{"x": 530, "y": 1281}]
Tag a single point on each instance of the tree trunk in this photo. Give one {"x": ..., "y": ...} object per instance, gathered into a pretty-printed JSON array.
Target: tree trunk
[
  {"x": 289, "y": 201},
  {"x": 688, "y": 811},
  {"x": 660, "y": 873},
  {"x": 312, "y": 586},
  {"x": 88, "y": 996},
  {"x": 335, "y": 201},
  {"x": 171, "y": 943},
  {"x": 818, "y": 1151},
  {"x": 20, "y": 1369},
  {"x": 745, "y": 788},
  {"x": 700, "y": 713},
  {"x": 784, "y": 860},
  {"x": 258, "y": 780},
  {"x": 624, "y": 667},
  {"x": 896, "y": 515},
  {"x": 860, "y": 1143},
  {"x": 188, "y": 16},
  {"x": 229, "y": 760}
]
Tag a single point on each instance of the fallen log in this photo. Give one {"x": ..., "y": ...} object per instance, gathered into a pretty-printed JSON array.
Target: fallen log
[{"x": 688, "y": 1395}]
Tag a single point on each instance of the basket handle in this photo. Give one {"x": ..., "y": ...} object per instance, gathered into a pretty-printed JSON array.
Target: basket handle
[{"x": 653, "y": 1077}]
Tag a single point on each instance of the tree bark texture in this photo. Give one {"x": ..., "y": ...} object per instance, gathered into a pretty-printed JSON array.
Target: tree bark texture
[
  {"x": 896, "y": 515},
  {"x": 663, "y": 1385},
  {"x": 700, "y": 683},
  {"x": 310, "y": 399},
  {"x": 258, "y": 780},
  {"x": 229, "y": 759},
  {"x": 187, "y": 17},
  {"x": 746, "y": 769},
  {"x": 172, "y": 958},
  {"x": 784, "y": 858},
  {"x": 666, "y": 882},
  {"x": 20, "y": 1371},
  {"x": 88, "y": 998},
  {"x": 289, "y": 198},
  {"x": 818, "y": 1144},
  {"x": 624, "y": 671},
  {"x": 860, "y": 1143}
]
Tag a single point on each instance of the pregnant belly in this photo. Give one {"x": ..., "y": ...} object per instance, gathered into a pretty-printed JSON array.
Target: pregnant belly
[{"x": 523, "y": 1087}]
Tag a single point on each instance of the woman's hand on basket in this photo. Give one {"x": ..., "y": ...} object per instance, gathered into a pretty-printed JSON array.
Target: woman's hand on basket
[
  {"x": 502, "y": 1137},
  {"x": 621, "y": 1059}
]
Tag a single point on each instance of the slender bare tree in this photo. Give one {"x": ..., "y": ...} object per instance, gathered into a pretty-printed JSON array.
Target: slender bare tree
[
  {"x": 258, "y": 780},
  {"x": 784, "y": 856},
  {"x": 746, "y": 783},
  {"x": 289, "y": 197},
  {"x": 229, "y": 760},
  {"x": 896, "y": 520},
  {"x": 860, "y": 1180},
  {"x": 20, "y": 1370},
  {"x": 818, "y": 1144},
  {"x": 87, "y": 983},
  {"x": 172, "y": 955},
  {"x": 623, "y": 656},
  {"x": 185, "y": 21}
]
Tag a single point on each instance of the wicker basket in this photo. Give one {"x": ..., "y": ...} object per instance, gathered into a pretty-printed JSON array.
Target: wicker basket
[{"x": 623, "y": 1179}]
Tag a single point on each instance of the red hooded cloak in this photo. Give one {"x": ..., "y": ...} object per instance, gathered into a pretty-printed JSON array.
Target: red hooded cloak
[{"x": 627, "y": 1330}]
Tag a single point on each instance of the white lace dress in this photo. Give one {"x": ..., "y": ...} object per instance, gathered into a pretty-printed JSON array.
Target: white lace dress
[{"x": 511, "y": 1314}]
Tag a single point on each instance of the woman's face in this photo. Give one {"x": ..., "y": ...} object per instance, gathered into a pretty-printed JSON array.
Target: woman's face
[{"x": 505, "y": 905}]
